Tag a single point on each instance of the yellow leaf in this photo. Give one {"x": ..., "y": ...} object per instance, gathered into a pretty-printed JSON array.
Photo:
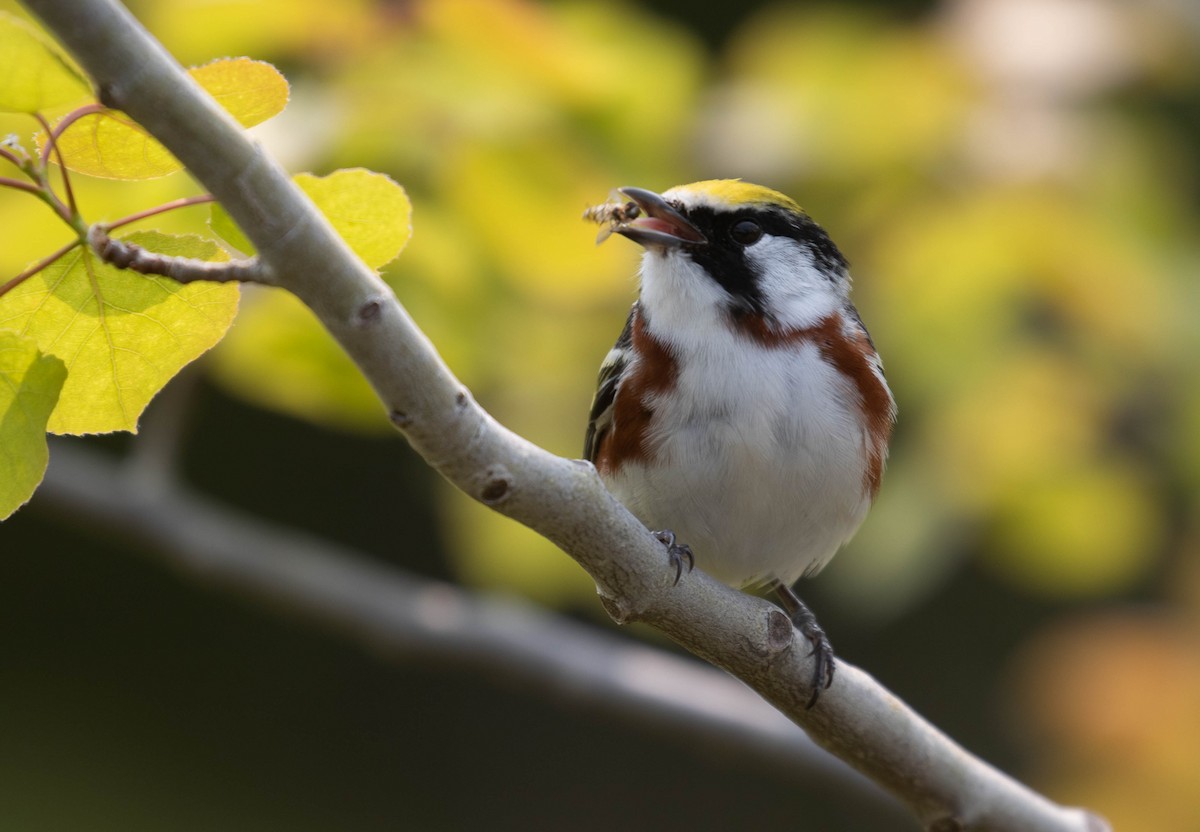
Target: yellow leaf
[
  {"x": 122, "y": 335},
  {"x": 279, "y": 356},
  {"x": 29, "y": 388},
  {"x": 252, "y": 91},
  {"x": 369, "y": 210},
  {"x": 112, "y": 145},
  {"x": 34, "y": 76}
]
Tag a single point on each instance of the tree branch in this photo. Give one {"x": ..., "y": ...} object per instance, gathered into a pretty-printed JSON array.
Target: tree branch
[
  {"x": 564, "y": 500},
  {"x": 405, "y": 616}
]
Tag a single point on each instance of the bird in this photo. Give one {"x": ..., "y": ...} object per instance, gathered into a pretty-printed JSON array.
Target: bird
[{"x": 743, "y": 413}]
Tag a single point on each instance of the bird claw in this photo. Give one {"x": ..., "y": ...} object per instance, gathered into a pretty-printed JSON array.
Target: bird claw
[
  {"x": 677, "y": 553},
  {"x": 824, "y": 664}
]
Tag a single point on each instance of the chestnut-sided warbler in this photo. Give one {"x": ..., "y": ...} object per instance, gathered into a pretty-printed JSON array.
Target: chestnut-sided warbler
[{"x": 743, "y": 409}]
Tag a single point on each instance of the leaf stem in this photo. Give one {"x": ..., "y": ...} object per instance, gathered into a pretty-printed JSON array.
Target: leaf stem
[
  {"x": 63, "y": 123},
  {"x": 72, "y": 209},
  {"x": 40, "y": 188},
  {"x": 37, "y": 267},
  {"x": 39, "y": 184},
  {"x": 9, "y": 156},
  {"x": 7, "y": 182},
  {"x": 46, "y": 194},
  {"x": 183, "y": 202}
]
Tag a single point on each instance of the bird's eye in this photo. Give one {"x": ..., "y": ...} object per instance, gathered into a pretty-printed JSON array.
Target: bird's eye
[{"x": 745, "y": 232}]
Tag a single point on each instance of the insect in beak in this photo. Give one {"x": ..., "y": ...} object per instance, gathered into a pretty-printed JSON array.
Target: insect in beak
[{"x": 646, "y": 218}]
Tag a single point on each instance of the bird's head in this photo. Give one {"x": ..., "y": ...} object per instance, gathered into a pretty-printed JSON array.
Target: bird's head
[{"x": 730, "y": 249}]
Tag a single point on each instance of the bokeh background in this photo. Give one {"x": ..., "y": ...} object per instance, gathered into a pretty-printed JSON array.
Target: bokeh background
[{"x": 1016, "y": 184}]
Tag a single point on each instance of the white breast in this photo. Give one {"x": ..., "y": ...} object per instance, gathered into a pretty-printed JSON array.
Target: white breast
[{"x": 758, "y": 459}]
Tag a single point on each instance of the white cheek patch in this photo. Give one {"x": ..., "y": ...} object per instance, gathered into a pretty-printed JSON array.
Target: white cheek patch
[
  {"x": 685, "y": 305},
  {"x": 797, "y": 293}
]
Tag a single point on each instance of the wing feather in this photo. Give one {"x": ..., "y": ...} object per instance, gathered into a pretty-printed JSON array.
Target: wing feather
[{"x": 611, "y": 372}]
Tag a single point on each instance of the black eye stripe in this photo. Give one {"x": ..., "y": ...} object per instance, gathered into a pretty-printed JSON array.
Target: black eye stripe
[
  {"x": 724, "y": 258},
  {"x": 777, "y": 222}
]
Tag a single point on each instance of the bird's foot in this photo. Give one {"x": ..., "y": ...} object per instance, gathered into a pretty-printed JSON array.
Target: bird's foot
[
  {"x": 822, "y": 651},
  {"x": 677, "y": 553}
]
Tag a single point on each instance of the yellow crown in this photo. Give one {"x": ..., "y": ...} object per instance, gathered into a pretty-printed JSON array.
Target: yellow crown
[{"x": 735, "y": 192}]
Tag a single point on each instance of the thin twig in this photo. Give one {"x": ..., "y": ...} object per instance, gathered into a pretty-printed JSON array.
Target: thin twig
[
  {"x": 126, "y": 255},
  {"x": 20, "y": 185},
  {"x": 65, "y": 210},
  {"x": 73, "y": 209},
  {"x": 65, "y": 122},
  {"x": 39, "y": 188},
  {"x": 11, "y": 157},
  {"x": 183, "y": 202}
]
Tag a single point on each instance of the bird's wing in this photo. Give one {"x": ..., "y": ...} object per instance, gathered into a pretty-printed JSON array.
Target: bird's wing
[{"x": 611, "y": 371}]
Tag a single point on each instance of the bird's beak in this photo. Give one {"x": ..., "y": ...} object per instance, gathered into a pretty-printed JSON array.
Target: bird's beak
[{"x": 658, "y": 224}]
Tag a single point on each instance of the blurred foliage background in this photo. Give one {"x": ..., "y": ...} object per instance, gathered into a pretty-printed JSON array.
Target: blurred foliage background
[{"x": 1016, "y": 184}]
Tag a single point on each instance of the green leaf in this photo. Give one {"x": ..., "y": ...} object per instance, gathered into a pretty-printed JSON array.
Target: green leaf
[
  {"x": 122, "y": 335},
  {"x": 33, "y": 74},
  {"x": 224, "y": 227},
  {"x": 29, "y": 388},
  {"x": 110, "y": 144},
  {"x": 369, "y": 210}
]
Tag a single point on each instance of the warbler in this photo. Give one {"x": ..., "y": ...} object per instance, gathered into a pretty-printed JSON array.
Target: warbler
[{"x": 743, "y": 413}]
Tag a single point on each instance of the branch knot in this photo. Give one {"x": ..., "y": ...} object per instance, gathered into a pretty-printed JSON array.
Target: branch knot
[
  {"x": 497, "y": 485},
  {"x": 368, "y": 312},
  {"x": 780, "y": 632}
]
